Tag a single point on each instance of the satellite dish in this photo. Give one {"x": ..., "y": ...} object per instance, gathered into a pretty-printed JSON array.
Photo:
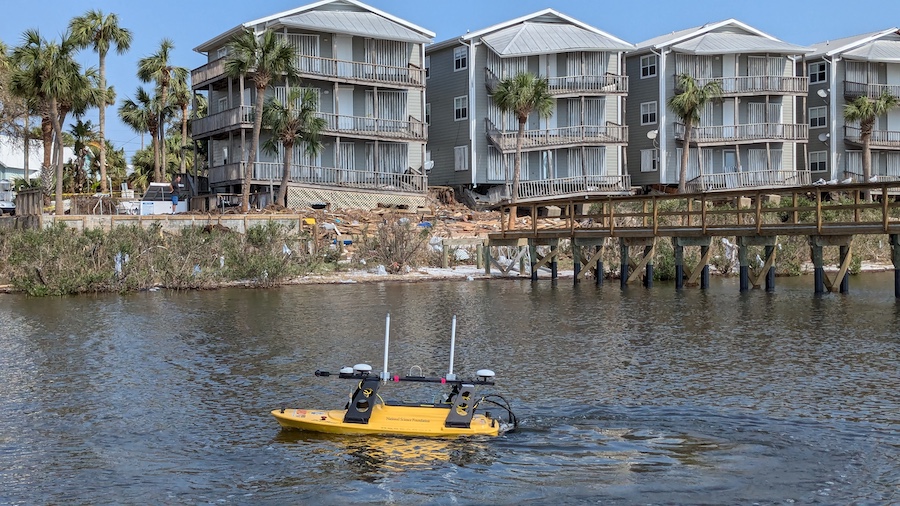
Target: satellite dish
[
  {"x": 824, "y": 137},
  {"x": 429, "y": 165},
  {"x": 652, "y": 134},
  {"x": 822, "y": 92}
]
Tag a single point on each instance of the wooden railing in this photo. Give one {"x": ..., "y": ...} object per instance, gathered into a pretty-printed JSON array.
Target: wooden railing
[
  {"x": 208, "y": 72},
  {"x": 758, "y": 85},
  {"x": 879, "y": 138},
  {"x": 575, "y": 185},
  {"x": 318, "y": 67},
  {"x": 808, "y": 210},
  {"x": 870, "y": 90},
  {"x": 606, "y": 84},
  {"x": 223, "y": 121},
  {"x": 749, "y": 179},
  {"x": 377, "y": 127},
  {"x": 582, "y": 135},
  {"x": 747, "y": 133},
  {"x": 343, "y": 178}
]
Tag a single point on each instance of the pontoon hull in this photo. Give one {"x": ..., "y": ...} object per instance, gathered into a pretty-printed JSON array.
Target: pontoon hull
[{"x": 385, "y": 419}]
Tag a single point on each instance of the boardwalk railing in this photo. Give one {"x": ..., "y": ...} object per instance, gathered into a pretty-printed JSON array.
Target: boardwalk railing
[{"x": 811, "y": 210}]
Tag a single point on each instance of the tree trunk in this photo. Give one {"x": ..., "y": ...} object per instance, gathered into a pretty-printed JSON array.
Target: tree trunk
[
  {"x": 57, "y": 131},
  {"x": 163, "y": 96},
  {"x": 102, "y": 118},
  {"x": 685, "y": 157},
  {"x": 517, "y": 170},
  {"x": 154, "y": 141},
  {"x": 46, "y": 165},
  {"x": 184, "y": 123},
  {"x": 254, "y": 142},
  {"x": 285, "y": 174}
]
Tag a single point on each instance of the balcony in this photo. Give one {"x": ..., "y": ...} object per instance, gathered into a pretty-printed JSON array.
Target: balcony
[
  {"x": 749, "y": 179},
  {"x": 880, "y": 139},
  {"x": 326, "y": 177},
  {"x": 572, "y": 186},
  {"x": 315, "y": 67},
  {"x": 853, "y": 90},
  {"x": 757, "y": 85},
  {"x": 745, "y": 134},
  {"x": 606, "y": 84},
  {"x": 374, "y": 128},
  {"x": 224, "y": 121},
  {"x": 563, "y": 137},
  {"x": 213, "y": 70}
]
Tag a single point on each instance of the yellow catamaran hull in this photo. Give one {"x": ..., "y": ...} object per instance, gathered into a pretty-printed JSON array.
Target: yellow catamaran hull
[{"x": 386, "y": 419}]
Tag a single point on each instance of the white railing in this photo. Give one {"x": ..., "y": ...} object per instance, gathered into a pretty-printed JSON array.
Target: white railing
[
  {"x": 758, "y": 85},
  {"x": 410, "y": 129},
  {"x": 870, "y": 90},
  {"x": 584, "y": 84},
  {"x": 752, "y": 132},
  {"x": 749, "y": 179},
  {"x": 878, "y": 139},
  {"x": 315, "y": 66},
  {"x": 575, "y": 185},
  {"x": 610, "y": 133},
  {"x": 230, "y": 118},
  {"x": 342, "y": 178}
]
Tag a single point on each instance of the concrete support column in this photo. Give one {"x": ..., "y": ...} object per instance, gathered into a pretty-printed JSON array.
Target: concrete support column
[
  {"x": 532, "y": 253},
  {"x": 576, "y": 261},
  {"x": 704, "y": 274},
  {"x": 745, "y": 266},
  {"x": 770, "y": 275},
  {"x": 818, "y": 268},
  {"x": 554, "y": 259},
  {"x": 679, "y": 266},
  {"x": 600, "y": 271},
  {"x": 648, "y": 278},
  {"x": 895, "y": 256},
  {"x": 623, "y": 266},
  {"x": 845, "y": 281}
]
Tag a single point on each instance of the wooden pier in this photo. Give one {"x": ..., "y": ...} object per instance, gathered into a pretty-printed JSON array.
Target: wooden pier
[{"x": 828, "y": 215}]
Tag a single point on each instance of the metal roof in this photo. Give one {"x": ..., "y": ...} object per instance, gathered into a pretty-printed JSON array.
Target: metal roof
[
  {"x": 880, "y": 50},
  {"x": 365, "y": 24},
  {"x": 867, "y": 46},
  {"x": 531, "y": 38},
  {"x": 728, "y": 43}
]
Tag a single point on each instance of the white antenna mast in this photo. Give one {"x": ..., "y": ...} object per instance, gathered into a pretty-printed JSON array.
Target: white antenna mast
[
  {"x": 450, "y": 375},
  {"x": 387, "y": 340}
]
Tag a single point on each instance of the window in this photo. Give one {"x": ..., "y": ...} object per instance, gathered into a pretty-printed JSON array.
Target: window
[
  {"x": 427, "y": 114},
  {"x": 649, "y": 160},
  {"x": 817, "y": 73},
  {"x": 461, "y": 108},
  {"x": 648, "y": 66},
  {"x": 818, "y": 161},
  {"x": 817, "y": 117},
  {"x": 427, "y": 67},
  {"x": 648, "y": 113},
  {"x": 461, "y": 158},
  {"x": 460, "y": 58}
]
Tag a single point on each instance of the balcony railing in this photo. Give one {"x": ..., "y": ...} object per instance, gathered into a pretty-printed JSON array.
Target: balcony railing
[
  {"x": 758, "y": 85},
  {"x": 583, "y": 135},
  {"x": 411, "y": 129},
  {"x": 343, "y": 178},
  {"x": 211, "y": 71},
  {"x": 885, "y": 139},
  {"x": 870, "y": 90},
  {"x": 370, "y": 73},
  {"x": 606, "y": 84},
  {"x": 748, "y": 133},
  {"x": 749, "y": 179},
  {"x": 265, "y": 172},
  {"x": 223, "y": 121},
  {"x": 575, "y": 185}
]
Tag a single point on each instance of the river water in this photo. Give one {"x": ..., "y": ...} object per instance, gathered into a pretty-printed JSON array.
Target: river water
[{"x": 625, "y": 397}]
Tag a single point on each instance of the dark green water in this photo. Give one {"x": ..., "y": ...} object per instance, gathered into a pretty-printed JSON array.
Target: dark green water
[{"x": 625, "y": 397}]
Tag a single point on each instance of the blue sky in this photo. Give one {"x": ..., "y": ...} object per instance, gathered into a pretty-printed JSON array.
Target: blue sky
[{"x": 190, "y": 22}]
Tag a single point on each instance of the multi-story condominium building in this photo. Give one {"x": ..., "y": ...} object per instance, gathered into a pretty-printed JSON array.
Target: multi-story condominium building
[
  {"x": 367, "y": 68},
  {"x": 579, "y": 149},
  {"x": 840, "y": 71},
  {"x": 749, "y": 137}
]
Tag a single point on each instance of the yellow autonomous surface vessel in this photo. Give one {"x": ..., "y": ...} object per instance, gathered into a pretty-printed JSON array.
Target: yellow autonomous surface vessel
[{"x": 453, "y": 414}]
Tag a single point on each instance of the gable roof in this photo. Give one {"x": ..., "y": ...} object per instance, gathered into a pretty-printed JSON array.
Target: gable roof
[
  {"x": 328, "y": 16},
  {"x": 866, "y": 46},
  {"x": 712, "y": 39}
]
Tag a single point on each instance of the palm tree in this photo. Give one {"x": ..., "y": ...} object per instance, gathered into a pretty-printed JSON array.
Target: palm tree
[
  {"x": 522, "y": 94},
  {"x": 142, "y": 115},
  {"x": 84, "y": 135},
  {"x": 687, "y": 105},
  {"x": 48, "y": 72},
  {"x": 263, "y": 58},
  {"x": 158, "y": 68},
  {"x": 96, "y": 30},
  {"x": 181, "y": 99},
  {"x": 292, "y": 122},
  {"x": 865, "y": 111}
]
